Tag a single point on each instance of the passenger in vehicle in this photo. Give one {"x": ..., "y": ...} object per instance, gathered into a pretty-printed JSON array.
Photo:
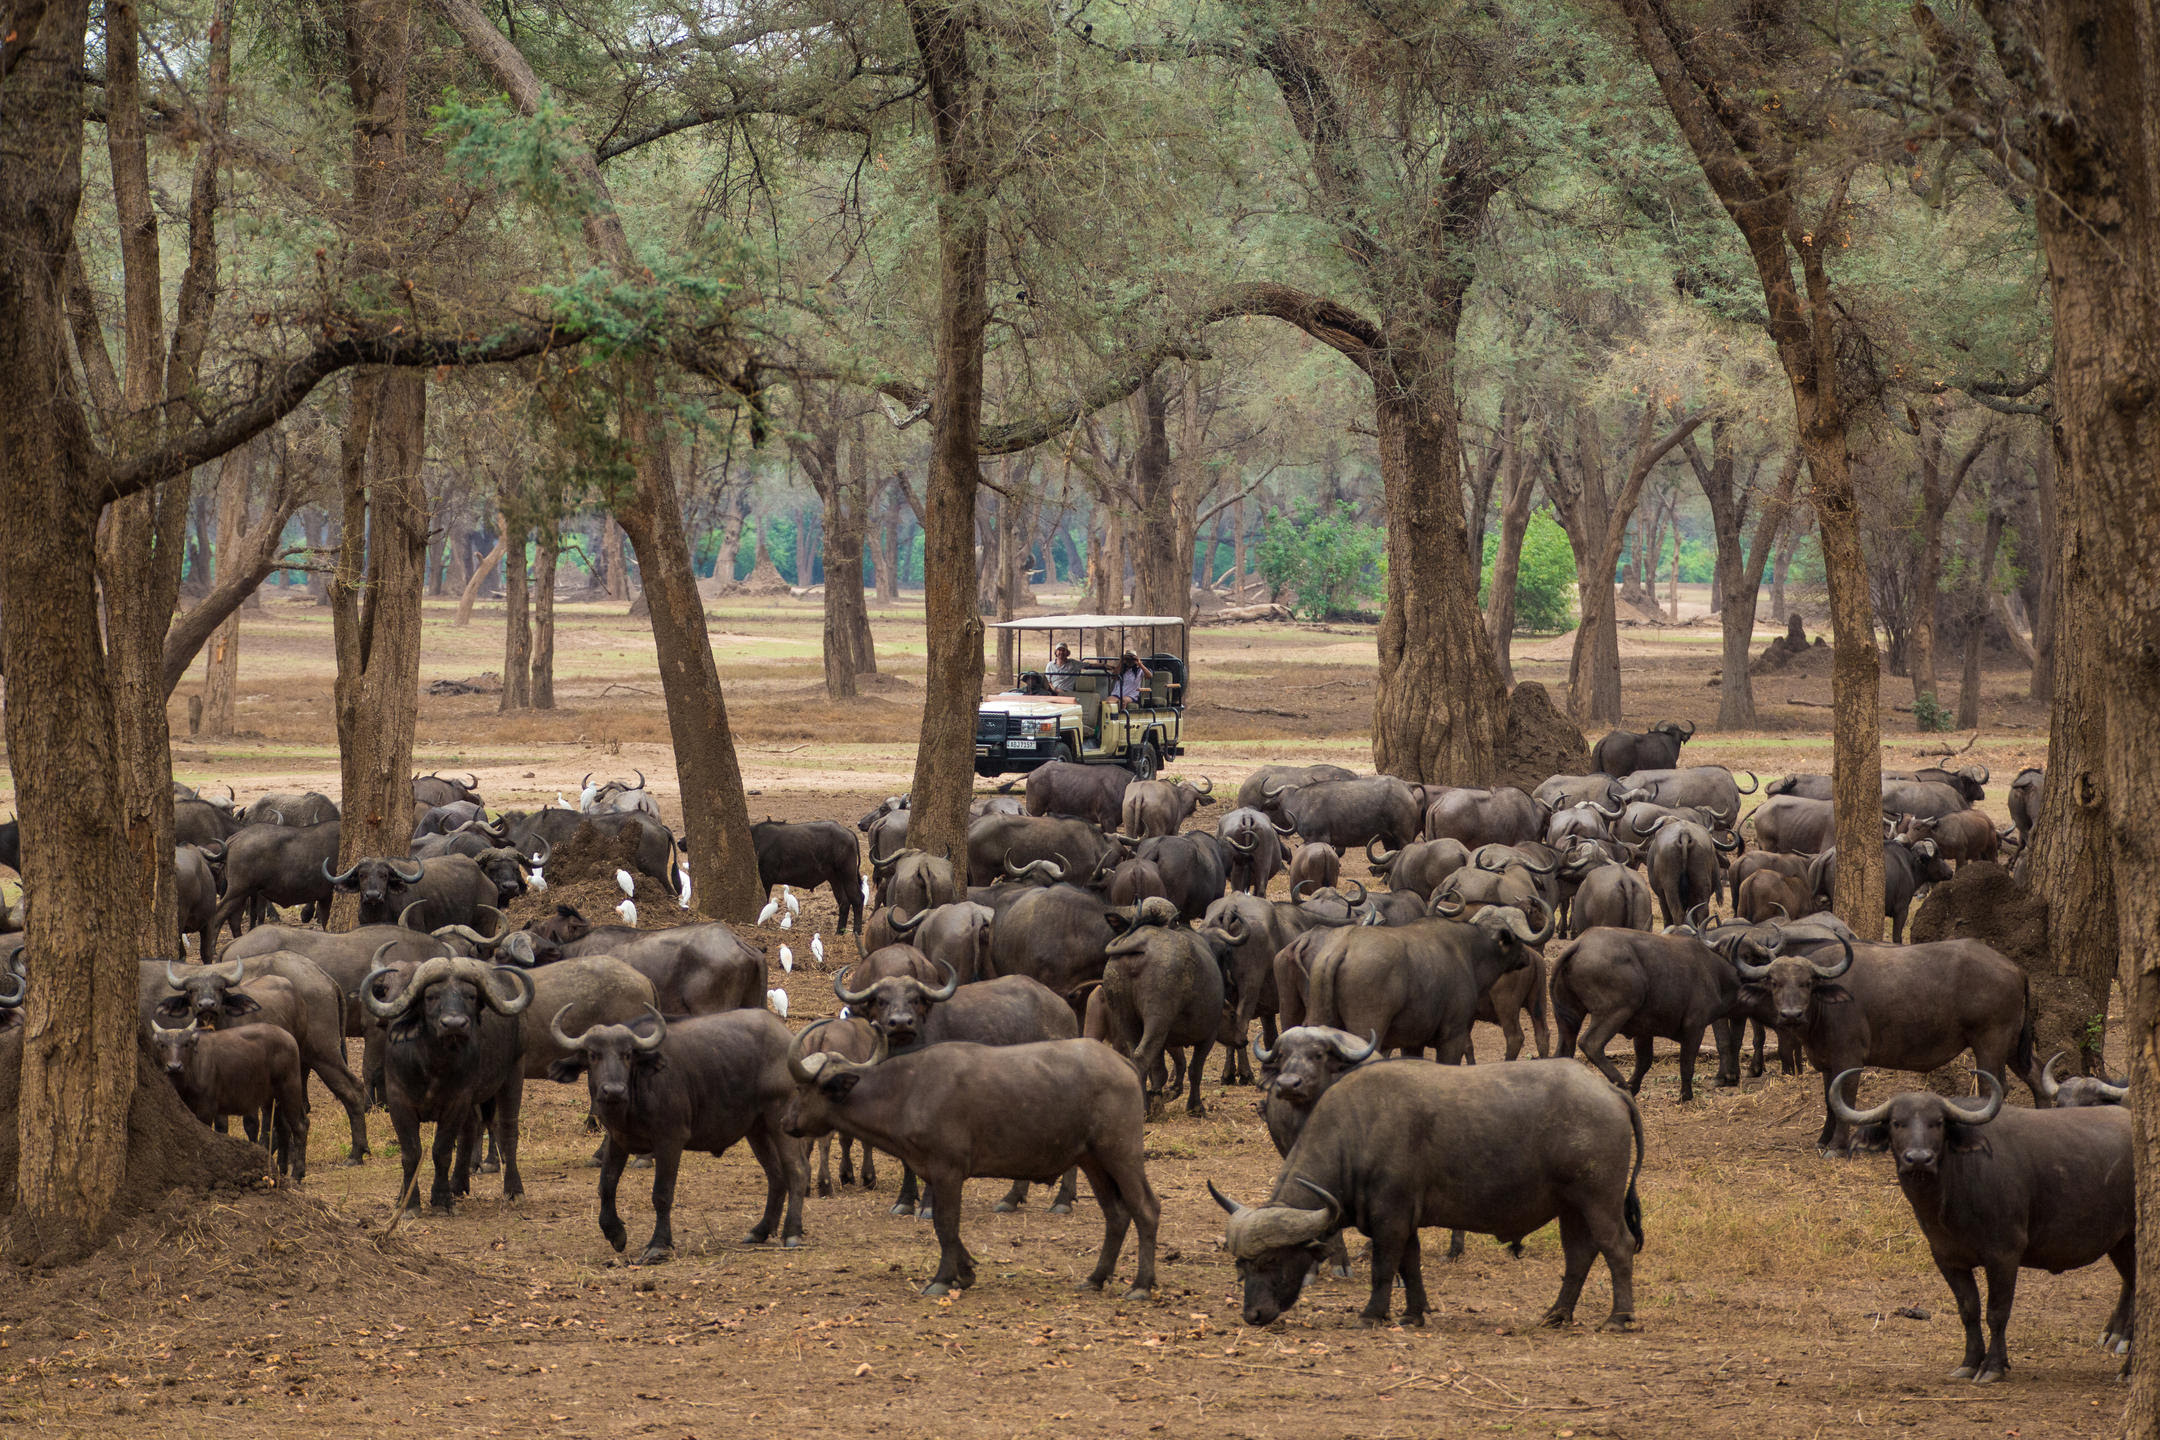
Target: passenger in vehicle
[
  {"x": 1131, "y": 681},
  {"x": 1063, "y": 669}
]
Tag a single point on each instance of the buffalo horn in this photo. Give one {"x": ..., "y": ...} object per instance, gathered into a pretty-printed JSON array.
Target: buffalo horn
[
  {"x": 1271, "y": 791},
  {"x": 1255, "y": 1232},
  {"x": 1989, "y": 1108},
  {"x": 472, "y": 781},
  {"x": 413, "y": 878},
  {"x": 649, "y": 1043},
  {"x": 1836, "y": 969},
  {"x": 1381, "y": 859},
  {"x": 489, "y": 915},
  {"x": 906, "y": 924},
  {"x": 1297, "y": 891},
  {"x": 405, "y": 916},
  {"x": 1850, "y": 1116},
  {"x": 429, "y": 973},
  {"x": 1262, "y": 1054},
  {"x": 558, "y": 1035},
  {"x": 805, "y": 1074},
  {"x": 1233, "y": 929},
  {"x": 1343, "y": 1042},
  {"x": 339, "y": 879},
  {"x": 1205, "y": 787},
  {"x": 1636, "y": 824},
  {"x": 946, "y": 991},
  {"x": 2114, "y": 1092},
  {"x": 640, "y": 777},
  {"x": 172, "y": 977},
  {"x": 847, "y": 996},
  {"x": 13, "y": 995},
  {"x": 1754, "y": 783},
  {"x": 1446, "y": 906},
  {"x": 1690, "y": 730},
  {"x": 2050, "y": 1087},
  {"x": 1521, "y": 926},
  {"x": 1284, "y": 832},
  {"x": 1361, "y": 893},
  {"x": 520, "y": 983},
  {"x": 483, "y": 943},
  {"x": 375, "y": 961}
]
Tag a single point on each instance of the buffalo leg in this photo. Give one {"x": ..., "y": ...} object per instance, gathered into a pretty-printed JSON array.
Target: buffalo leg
[
  {"x": 1578, "y": 1248},
  {"x": 1836, "y": 1137},
  {"x": 1690, "y": 1052},
  {"x": 824, "y": 1168},
  {"x": 1413, "y": 1280},
  {"x": 1068, "y": 1192},
  {"x": 956, "y": 1268},
  {"x": 1338, "y": 1257},
  {"x": 611, "y": 1168},
  {"x": 1196, "y": 1072},
  {"x": 1387, "y": 1259},
  {"x": 2120, "y": 1325},
  {"x": 667, "y": 1163},
  {"x": 904, "y": 1202},
  {"x": 1755, "y": 1066},
  {"x": 2002, "y": 1291},
  {"x": 1013, "y": 1198},
  {"x": 1967, "y": 1293},
  {"x": 407, "y": 1125},
  {"x": 509, "y": 1102},
  {"x": 1121, "y": 1170},
  {"x": 1455, "y": 1245},
  {"x": 447, "y": 1135},
  {"x": 1645, "y": 1053},
  {"x": 785, "y": 1182},
  {"x": 345, "y": 1086},
  {"x": 292, "y": 1124},
  {"x": 1593, "y": 1047},
  {"x": 1727, "y": 1035},
  {"x": 1116, "y": 1221}
]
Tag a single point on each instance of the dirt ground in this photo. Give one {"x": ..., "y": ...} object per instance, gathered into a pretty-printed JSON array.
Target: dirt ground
[{"x": 1779, "y": 1294}]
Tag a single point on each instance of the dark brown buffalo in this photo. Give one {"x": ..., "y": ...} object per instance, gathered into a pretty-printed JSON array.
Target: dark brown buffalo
[
  {"x": 1295, "y": 1071},
  {"x": 1317, "y": 865},
  {"x": 1421, "y": 866},
  {"x": 1017, "y": 1112},
  {"x": 697, "y": 969},
  {"x": 1163, "y": 987},
  {"x": 1194, "y": 867},
  {"x": 809, "y": 854},
  {"x": 914, "y": 881},
  {"x": 1420, "y": 984},
  {"x": 1347, "y": 813},
  {"x": 850, "y": 1039},
  {"x": 1055, "y": 934},
  {"x": 1960, "y": 837},
  {"x": 1134, "y": 881},
  {"x": 246, "y": 1070},
  {"x": 1703, "y": 787},
  {"x": 1897, "y": 1007},
  {"x": 1094, "y": 793},
  {"x": 269, "y": 865},
  {"x": 1684, "y": 862},
  {"x": 1647, "y": 988},
  {"x": 1000, "y": 844},
  {"x": 958, "y": 935},
  {"x": 1906, "y": 868},
  {"x": 432, "y": 790},
  {"x": 1922, "y": 797},
  {"x": 1161, "y": 807},
  {"x": 2027, "y": 792},
  {"x": 2078, "y": 1090},
  {"x": 1500, "y": 1150},
  {"x": 1505, "y": 816},
  {"x": 1253, "y": 791},
  {"x": 703, "y": 1083},
  {"x": 1610, "y": 896},
  {"x": 1622, "y": 751},
  {"x": 1795, "y": 825},
  {"x": 1253, "y": 849},
  {"x": 1250, "y": 931},
  {"x": 2008, "y": 1190},
  {"x": 1767, "y": 895}
]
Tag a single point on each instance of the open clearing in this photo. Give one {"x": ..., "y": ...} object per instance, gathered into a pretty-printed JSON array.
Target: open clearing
[{"x": 1779, "y": 1295}]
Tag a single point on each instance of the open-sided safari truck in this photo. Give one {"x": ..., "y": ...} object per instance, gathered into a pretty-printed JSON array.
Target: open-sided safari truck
[{"x": 1080, "y": 715}]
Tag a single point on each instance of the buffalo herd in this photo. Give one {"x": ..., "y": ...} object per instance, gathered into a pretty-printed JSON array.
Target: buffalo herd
[{"x": 1021, "y": 1009}]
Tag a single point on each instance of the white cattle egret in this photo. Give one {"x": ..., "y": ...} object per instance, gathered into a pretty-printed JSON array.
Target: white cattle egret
[
  {"x": 787, "y": 959},
  {"x": 628, "y": 911},
  {"x": 565, "y": 804},
  {"x": 685, "y": 901},
  {"x": 586, "y": 797},
  {"x": 866, "y": 893},
  {"x": 778, "y": 1000},
  {"x": 624, "y": 883},
  {"x": 787, "y": 922},
  {"x": 772, "y": 908},
  {"x": 817, "y": 948},
  {"x": 787, "y": 898},
  {"x": 539, "y": 881}
]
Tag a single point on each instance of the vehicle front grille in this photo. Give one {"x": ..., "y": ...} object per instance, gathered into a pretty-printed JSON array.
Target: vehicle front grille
[{"x": 992, "y": 728}]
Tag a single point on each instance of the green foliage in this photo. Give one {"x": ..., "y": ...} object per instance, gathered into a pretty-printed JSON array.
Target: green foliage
[
  {"x": 1328, "y": 558},
  {"x": 1929, "y": 714},
  {"x": 1544, "y": 580},
  {"x": 490, "y": 145}
]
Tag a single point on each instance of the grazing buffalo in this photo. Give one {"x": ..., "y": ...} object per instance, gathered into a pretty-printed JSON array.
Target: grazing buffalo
[
  {"x": 1421, "y": 867},
  {"x": 998, "y": 845},
  {"x": 294, "y": 808},
  {"x": 956, "y": 935},
  {"x": 703, "y": 1083},
  {"x": 1647, "y": 988},
  {"x": 2008, "y": 1190},
  {"x": 1300, "y": 1067},
  {"x": 1703, "y": 787},
  {"x": 1929, "y": 798},
  {"x": 1253, "y": 849},
  {"x": 1622, "y": 751},
  {"x": 1254, "y": 793},
  {"x": 948, "y": 1112},
  {"x": 454, "y": 1056},
  {"x": 617, "y": 797},
  {"x": 269, "y": 865},
  {"x": 1505, "y": 816},
  {"x": 810, "y": 854},
  {"x": 2078, "y": 1090},
  {"x": 2027, "y": 792},
  {"x": 1094, "y": 793},
  {"x": 244, "y": 1070},
  {"x": 1803, "y": 787},
  {"x": 1161, "y": 807},
  {"x": 1500, "y": 1150},
  {"x": 1896, "y": 1007},
  {"x": 435, "y": 789},
  {"x": 1317, "y": 866},
  {"x": 1420, "y": 984},
  {"x": 1561, "y": 791},
  {"x": 1347, "y": 813},
  {"x": 1163, "y": 987},
  {"x": 1795, "y": 825}
]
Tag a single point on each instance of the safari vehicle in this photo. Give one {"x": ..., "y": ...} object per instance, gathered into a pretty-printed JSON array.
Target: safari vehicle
[{"x": 1078, "y": 718}]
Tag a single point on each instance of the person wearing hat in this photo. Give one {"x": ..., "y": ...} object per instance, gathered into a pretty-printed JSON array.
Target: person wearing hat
[
  {"x": 1063, "y": 669},
  {"x": 1132, "y": 678}
]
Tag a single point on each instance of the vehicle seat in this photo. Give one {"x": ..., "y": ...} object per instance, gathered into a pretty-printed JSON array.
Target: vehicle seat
[
  {"x": 1086, "y": 689},
  {"x": 1159, "y": 689},
  {"x": 1175, "y": 668}
]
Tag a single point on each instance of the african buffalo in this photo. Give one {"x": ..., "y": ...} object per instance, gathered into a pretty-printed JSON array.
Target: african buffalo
[
  {"x": 998, "y": 844},
  {"x": 915, "y": 880},
  {"x": 1094, "y": 793},
  {"x": 1161, "y": 807},
  {"x": 1421, "y": 866},
  {"x": 2027, "y": 792},
  {"x": 1906, "y": 868},
  {"x": 1795, "y": 825},
  {"x": 1418, "y": 985},
  {"x": 1703, "y": 787},
  {"x": 1162, "y": 987},
  {"x": 435, "y": 789},
  {"x": 809, "y": 854},
  {"x": 276, "y": 865},
  {"x": 1253, "y": 849},
  {"x": 1496, "y": 1149},
  {"x": 243, "y": 1070},
  {"x": 1347, "y": 813},
  {"x": 1253, "y": 792},
  {"x": 2007, "y": 1190},
  {"x": 1317, "y": 865},
  {"x": 1505, "y": 816},
  {"x": 2078, "y": 1089},
  {"x": 1960, "y": 837},
  {"x": 1621, "y": 751},
  {"x": 1194, "y": 869}
]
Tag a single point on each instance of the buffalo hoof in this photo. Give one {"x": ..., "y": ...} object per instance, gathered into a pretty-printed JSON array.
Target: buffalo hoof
[
  {"x": 824, "y": 1190},
  {"x": 1619, "y": 1323},
  {"x": 1340, "y": 1272},
  {"x": 442, "y": 1207},
  {"x": 1557, "y": 1319},
  {"x": 791, "y": 1242},
  {"x": 1374, "y": 1322},
  {"x": 1063, "y": 1207},
  {"x": 1139, "y": 1293},
  {"x": 1987, "y": 1377},
  {"x": 757, "y": 1237},
  {"x": 640, "y": 1162},
  {"x": 489, "y": 1167},
  {"x": 655, "y": 1255},
  {"x": 903, "y": 1208},
  {"x": 936, "y": 1290},
  {"x": 1417, "y": 1320},
  {"x": 1004, "y": 1207},
  {"x": 1090, "y": 1283},
  {"x": 925, "y": 1213}
]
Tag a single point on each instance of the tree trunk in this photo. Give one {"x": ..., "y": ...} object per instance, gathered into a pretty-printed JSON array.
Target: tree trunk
[
  {"x": 1940, "y": 482},
  {"x": 470, "y": 595},
  {"x": 959, "y": 102},
  {"x": 517, "y": 622},
  {"x": 1976, "y": 615},
  {"x": 847, "y": 621},
  {"x": 1855, "y": 676},
  {"x": 888, "y": 549},
  {"x": 1159, "y": 573},
  {"x": 1780, "y": 564},
  {"x": 1739, "y": 564},
  {"x": 1237, "y": 554},
  {"x": 221, "y": 671},
  {"x": 1440, "y": 715},
  {"x": 1517, "y": 490},
  {"x": 2048, "y": 597},
  {"x": 732, "y": 519},
  {"x": 547, "y": 544}
]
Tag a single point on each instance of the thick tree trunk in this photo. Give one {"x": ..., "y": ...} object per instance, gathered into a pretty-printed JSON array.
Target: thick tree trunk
[
  {"x": 1518, "y": 489},
  {"x": 548, "y": 545},
  {"x": 1855, "y": 678},
  {"x": 847, "y": 624},
  {"x": 1160, "y": 574},
  {"x": 612, "y": 580},
  {"x": 888, "y": 548},
  {"x": 1780, "y": 566},
  {"x": 2047, "y": 597},
  {"x": 731, "y": 528},
  {"x": 221, "y": 669},
  {"x": 1440, "y": 716},
  {"x": 1739, "y": 564},
  {"x": 517, "y": 623}
]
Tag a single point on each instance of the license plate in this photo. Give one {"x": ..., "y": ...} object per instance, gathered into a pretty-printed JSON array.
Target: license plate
[{"x": 1020, "y": 744}]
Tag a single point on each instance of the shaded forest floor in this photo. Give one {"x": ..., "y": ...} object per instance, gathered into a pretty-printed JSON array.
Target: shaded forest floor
[{"x": 1780, "y": 1294}]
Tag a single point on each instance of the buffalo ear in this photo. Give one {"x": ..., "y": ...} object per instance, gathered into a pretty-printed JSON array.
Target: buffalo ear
[
  {"x": 179, "y": 1007},
  {"x": 1872, "y": 1139},
  {"x": 1967, "y": 1140},
  {"x": 1751, "y": 991},
  {"x": 569, "y": 1068},
  {"x": 1832, "y": 994},
  {"x": 837, "y": 1087},
  {"x": 241, "y": 1004}
]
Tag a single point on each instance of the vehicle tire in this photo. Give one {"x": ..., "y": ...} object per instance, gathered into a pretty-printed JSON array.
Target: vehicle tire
[
  {"x": 1064, "y": 752},
  {"x": 1146, "y": 761}
]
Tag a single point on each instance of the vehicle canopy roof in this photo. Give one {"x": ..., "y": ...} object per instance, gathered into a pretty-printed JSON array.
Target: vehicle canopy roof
[{"x": 1088, "y": 622}]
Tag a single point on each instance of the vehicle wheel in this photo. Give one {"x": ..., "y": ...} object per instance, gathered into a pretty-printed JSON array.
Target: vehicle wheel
[
  {"x": 1146, "y": 761},
  {"x": 1064, "y": 752}
]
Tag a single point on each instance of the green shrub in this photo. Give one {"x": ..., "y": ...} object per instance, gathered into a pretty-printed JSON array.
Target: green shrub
[
  {"x": 1544, "y": 579},
  {"x": 1930, "y": 715},
  {"x": 1328, "y": 558}
]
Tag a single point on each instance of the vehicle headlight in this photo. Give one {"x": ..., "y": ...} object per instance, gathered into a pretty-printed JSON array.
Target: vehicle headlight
[{"x": 1043, "y": 728}]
